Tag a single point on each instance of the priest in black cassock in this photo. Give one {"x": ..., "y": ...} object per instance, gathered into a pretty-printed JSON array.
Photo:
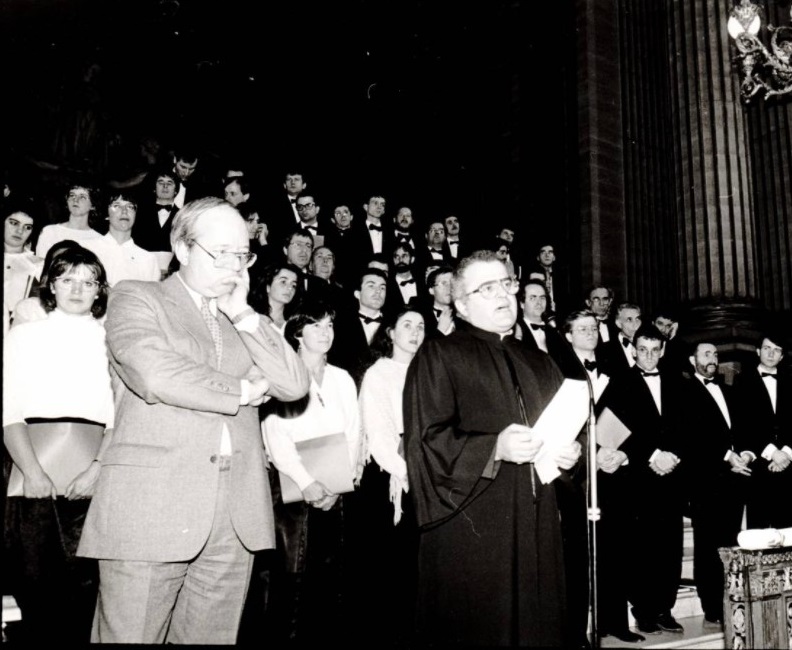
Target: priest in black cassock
[{"x": 490, "y": 566}]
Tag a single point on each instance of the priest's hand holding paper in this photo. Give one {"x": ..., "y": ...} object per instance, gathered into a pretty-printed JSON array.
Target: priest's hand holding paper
[{"x": 517, "y": 444}]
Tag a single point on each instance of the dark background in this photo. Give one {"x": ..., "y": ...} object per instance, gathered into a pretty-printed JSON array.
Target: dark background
[{"x": 447, "y": 107}]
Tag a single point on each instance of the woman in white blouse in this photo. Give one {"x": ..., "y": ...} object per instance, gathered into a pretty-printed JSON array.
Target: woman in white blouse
[
  {"x": 306, "y": 595},
  {"x": 57, "y": 417},
  {"x": 391, "y": 531},
  {"x": 21, "y": 268},
  {"x": 81, "y": 202}
]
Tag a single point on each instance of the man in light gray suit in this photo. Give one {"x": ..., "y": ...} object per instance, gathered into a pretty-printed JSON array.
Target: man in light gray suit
[{"x": 183, "y": 499}]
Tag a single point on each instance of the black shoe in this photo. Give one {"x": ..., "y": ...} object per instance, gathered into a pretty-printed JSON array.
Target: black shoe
[
  {"x": 648, "y": 627},
  {"x": 669, "y": 624},
  {"x": 625, "y": 635}
]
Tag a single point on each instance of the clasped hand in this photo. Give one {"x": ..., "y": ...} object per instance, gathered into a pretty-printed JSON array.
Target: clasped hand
[
  {"x": 318, "y": 496},
  {"x": 779, "y": 462},
  {"x": 739, "y": 465},
  {"x": 664, "y": 463},
  {"x": 259, "y": 385},
  {"x": 610, "y": 459}
]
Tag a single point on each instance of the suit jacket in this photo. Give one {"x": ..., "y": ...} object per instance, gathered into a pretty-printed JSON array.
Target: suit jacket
[
  {"x": 556, "y": 345},
  {"x": 350, "y": 349},
  {"x": 155, "y": 497},
  {"x": 612, "y": 357},
  {"x": 758, "y": 425},
  {"x": 147, "y": 231},
  {"x": 424, "y": 259},
  {"x": 630, "y": 399},
  {"x": 708, "y": 437}
]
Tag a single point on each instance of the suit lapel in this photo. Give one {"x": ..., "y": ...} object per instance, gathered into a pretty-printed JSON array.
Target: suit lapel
[{"x": 185, "y": 311}]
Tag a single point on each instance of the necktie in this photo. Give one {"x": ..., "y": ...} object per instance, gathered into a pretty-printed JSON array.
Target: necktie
[
  {"x": 535, "y": 327},
  {"x": 591, "y": 366},
  {"x": 368, "y": 319},
  {"x": 371, "y": 226},
  {"x": 626, "y": 343},
  {"x": 650, "y": 374},
  {"x": 404, "y": 283},
  {"x": 707, "y": 382},
  {"x": 214, "y": 328},
  {"x": 772, "y": 375}
]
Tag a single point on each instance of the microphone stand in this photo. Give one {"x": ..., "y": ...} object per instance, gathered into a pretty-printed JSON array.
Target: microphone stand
[{"x": 593, "y": 512}]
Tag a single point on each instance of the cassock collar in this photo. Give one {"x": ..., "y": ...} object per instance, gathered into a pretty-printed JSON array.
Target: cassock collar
[{"x": 491, "y": 337}]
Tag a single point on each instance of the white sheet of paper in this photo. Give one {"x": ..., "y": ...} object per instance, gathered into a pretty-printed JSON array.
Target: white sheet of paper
[{"x": 559, "y": 425}]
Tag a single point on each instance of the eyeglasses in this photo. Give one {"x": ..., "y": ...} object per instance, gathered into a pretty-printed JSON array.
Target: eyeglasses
[
  {"x": 586, "y": 329},
  {"x": 302, "y": 244},
  {"x": 489, "y": 290},
  {"x": 301, "y": 207},
  {"x": 228, "y": 259},
  {"x": 72, "y": 283}
]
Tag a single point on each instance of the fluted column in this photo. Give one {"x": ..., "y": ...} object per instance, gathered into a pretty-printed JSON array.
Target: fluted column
[{"x": 713, "y": 200}]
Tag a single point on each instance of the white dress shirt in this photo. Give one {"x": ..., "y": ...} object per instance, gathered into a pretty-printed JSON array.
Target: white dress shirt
[{"x": 126, "y": 261}]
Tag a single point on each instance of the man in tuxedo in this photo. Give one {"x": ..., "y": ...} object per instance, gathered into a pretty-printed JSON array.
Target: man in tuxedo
[
  {"x": 618, "y": 351},
  {"x": 183, "y": 499},
  {"x": 439, "y": 314},
  {"x": 536, "y": 333},
  {"x": 456, "y": 248},
  {"x": 718, "y": 475},
  {"x": 675, "y": 357},
  {"x": 298, "y": 249},
  {"x": 340, "y": 238},
  {"x": 308, "y": 210},
  {"x": 372, "y": 236},
  {"x": 355, "y": 329},
  {"x": 765, "y": 429},
  {"x": 600, "y": 301},
  {"x": 434, "y": 250},
  {"x": 191, "y": 186},
  {"x": 649, "y": 488},
  {"x": 546, "y": 271},
  {"x": 406, "y": 287},
  {"x": 403, "y": 227},
  {"x": 156, "y": 211},
  {"x": 281, "y": 215}
]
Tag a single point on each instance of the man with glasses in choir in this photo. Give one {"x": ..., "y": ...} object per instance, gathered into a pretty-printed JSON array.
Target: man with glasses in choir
[
  {"x": 182, "y": 499},
  {"x": 490, "y": 555}
]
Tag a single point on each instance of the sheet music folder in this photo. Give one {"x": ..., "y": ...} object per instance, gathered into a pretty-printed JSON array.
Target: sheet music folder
[
  {"x": 326, "y": 459},
  {"x": 611, "y": 431}
]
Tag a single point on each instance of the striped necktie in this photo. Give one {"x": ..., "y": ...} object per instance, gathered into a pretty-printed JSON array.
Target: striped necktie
[{"x": 214, "y": 329}]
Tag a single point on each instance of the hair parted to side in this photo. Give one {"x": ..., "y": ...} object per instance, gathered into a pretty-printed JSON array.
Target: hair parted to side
[
  {"x": 310, "y": 313},
  {"x": 183, "y": 229},
  {"x": 67, "y": 259}
]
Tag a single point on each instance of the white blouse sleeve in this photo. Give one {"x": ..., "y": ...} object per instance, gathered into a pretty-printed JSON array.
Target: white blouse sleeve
[
  {"x": 379, "y": 423},
  {"x": 281, "y": 448}
]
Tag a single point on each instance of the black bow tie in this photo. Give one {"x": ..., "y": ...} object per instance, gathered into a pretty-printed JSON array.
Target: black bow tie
[
  {"x": 535, "y": 327},
  {"x": 438, "y": 312},
  {"x": 406, "y": 282},
  {"x": 403, "y": 236},
  {"x": 369, "y": 319},
  {"x": 453, "y": 241},
  {"x": 292, "y": 200},
  {"x": 589, "y": 365},
  {"x": 707, "y": 382},
  {"x": 650, "y": 374},
  {"x": 371, "y": 226},
  {"x": 314, "y": 228},
  {"x": 626, "y": 343},
  {"x": 772, "y": 375},
  {"x": 164, "y": 207}
]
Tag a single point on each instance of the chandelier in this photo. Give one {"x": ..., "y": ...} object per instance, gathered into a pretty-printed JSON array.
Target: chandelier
[{"x": 762, "y": 69}]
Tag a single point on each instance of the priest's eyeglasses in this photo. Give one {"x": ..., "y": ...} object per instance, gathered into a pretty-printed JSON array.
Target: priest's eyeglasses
[
  {"x": 490, "y": 289},
  {"x": 228, "y": 259}
]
